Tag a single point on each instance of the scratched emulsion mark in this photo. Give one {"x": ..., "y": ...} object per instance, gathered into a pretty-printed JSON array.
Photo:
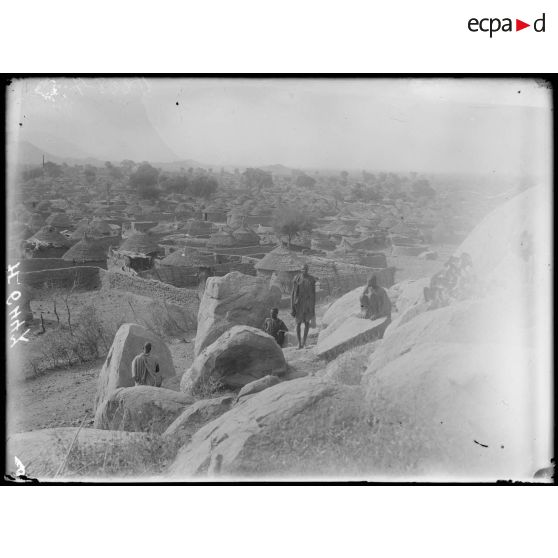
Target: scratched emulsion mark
[
  {"x": 483, "y": 445},
  {"x": 47, "y": 89}
]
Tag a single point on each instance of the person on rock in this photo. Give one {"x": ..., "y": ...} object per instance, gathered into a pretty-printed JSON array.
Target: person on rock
[
  {"x": 375, "y": 304},
  {"x": 303, "y": 303},
  {"x": 276, "y": 327},
  {"x": 145, "y": 369}
]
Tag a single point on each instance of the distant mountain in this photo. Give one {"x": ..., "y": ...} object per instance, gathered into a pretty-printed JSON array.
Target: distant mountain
[
  {"x": 277, "y": 169},
  {"x": 185, "y": 164},
  {"x": 25, "y": 153}
]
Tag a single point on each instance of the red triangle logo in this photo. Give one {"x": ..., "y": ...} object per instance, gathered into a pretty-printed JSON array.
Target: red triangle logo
[{"x": 519, "y": 25}]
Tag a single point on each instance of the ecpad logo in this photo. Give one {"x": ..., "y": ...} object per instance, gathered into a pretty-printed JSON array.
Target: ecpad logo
[{"x": 493, "y": 25}]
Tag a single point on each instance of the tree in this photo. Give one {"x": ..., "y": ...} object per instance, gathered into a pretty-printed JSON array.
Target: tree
[
  {"x": 305, "y": 181},
  {"x": 257, "y": 179},
  {"x": 114, "y": 172},
  {"x": 291, "y": 222},
  {"x": 128, "y": 165},
  {"x": 52, "y": 169},
  {"x": 144, "y": 180},
  {"x": 344, "y": 177},
  {"x": 177, "y": 184},
  {"x": 203, "y": 186}
]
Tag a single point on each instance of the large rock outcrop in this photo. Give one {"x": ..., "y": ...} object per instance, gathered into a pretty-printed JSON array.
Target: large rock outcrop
[
  {"x": 117, "y": 368},
  {"x": 141, "y": 409},
  {"x": 344, "y": 307},
  {"x": 265, "y": 434},
  {"x": 511, "y": 245},
  {"x": 239, "y": 356},
  {"x": 354, "y": 331},
  {"x": 235, "y": 299},
  {"x": 42, "y": 452},
  {"x": 256, "y": 386},
  {"x": 196, "y": 416},
  {"x": 467, "y": 385},
  {"x": 465, "y": 407}
]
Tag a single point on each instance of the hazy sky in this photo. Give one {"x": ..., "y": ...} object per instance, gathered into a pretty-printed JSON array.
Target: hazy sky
[{"x": 438, "y": 125}]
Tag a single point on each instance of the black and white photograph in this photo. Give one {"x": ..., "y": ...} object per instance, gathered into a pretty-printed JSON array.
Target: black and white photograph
[{"x": 279, "y": 279}]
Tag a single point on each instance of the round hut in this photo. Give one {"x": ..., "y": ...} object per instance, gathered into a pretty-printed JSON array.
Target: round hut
[
  {"x": 59, "y": 221},
  {"x": 87, "y": 250},
  {"x": 196, "y": 228},
  {"x": 137, "y": 253},
  {"x": 36, "y": 221},
  {"x": 99, "y": 227},
  {"x": 246, "y": 237},
  {"x": 47, "y": 243},
  {"x": 282, "y": 262},
  {"x": 221, "y": 239},
  {"x": 189, "y": 257},
  {"x": 43, "y": 206}
]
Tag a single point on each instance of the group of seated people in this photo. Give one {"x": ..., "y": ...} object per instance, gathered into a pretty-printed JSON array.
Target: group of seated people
[{"x": 456, "y": 281}]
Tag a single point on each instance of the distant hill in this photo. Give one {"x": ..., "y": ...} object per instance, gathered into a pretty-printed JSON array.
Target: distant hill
[
  {"x": 277, "y": 169},
  {"x": 25, "y": 153}
]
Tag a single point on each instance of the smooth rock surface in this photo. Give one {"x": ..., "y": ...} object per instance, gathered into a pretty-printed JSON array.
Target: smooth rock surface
[
  {"x": 466, "y": 406},
  {"x": 235, "y": 299},
  {"x": 256, "y": 386},
  {"x": 351, "y": 333},
  {"x": 196, "y": 416},
  {"x": 344, "y": 307},
  {"x": 127, "y": 344},
  {"x": 141, "y": 409},
  {"x": 255, "y": 438},
  {"x": 240, "y": 356}
]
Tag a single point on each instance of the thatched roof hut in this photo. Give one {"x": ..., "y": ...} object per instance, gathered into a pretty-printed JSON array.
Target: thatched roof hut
[
  {"x": 36, "y": 221},
  {"x": 183, "y": 209},
  {"x": 43, "y": 205},
  {"x": 197, "y": 228},
  {"x": 246, "y": 237},
  {"x": 189, "y": 257},
  {"x": 141, "y": 244},
  {"x": 59, "y": 221},
  {"x": 87, "y": 250},
  {"x": 49, "y": 236},
  {"x": 99, "y": 227},
  {"x": 280, "y": 259},
  {"x": 221, "y": 239}
]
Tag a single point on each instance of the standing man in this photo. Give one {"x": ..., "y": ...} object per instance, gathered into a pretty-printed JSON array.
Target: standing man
[
  {"x": 303, "y": 303},
  {"x": 145, "y": 369}
]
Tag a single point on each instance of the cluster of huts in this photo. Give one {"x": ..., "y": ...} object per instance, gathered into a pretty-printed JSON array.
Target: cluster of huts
[{"x": 182, "y": 240}]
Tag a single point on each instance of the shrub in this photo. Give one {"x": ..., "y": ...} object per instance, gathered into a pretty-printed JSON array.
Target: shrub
[
  {"x": 139, "y": 456},
  {"x": 87, "y": 340}
]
